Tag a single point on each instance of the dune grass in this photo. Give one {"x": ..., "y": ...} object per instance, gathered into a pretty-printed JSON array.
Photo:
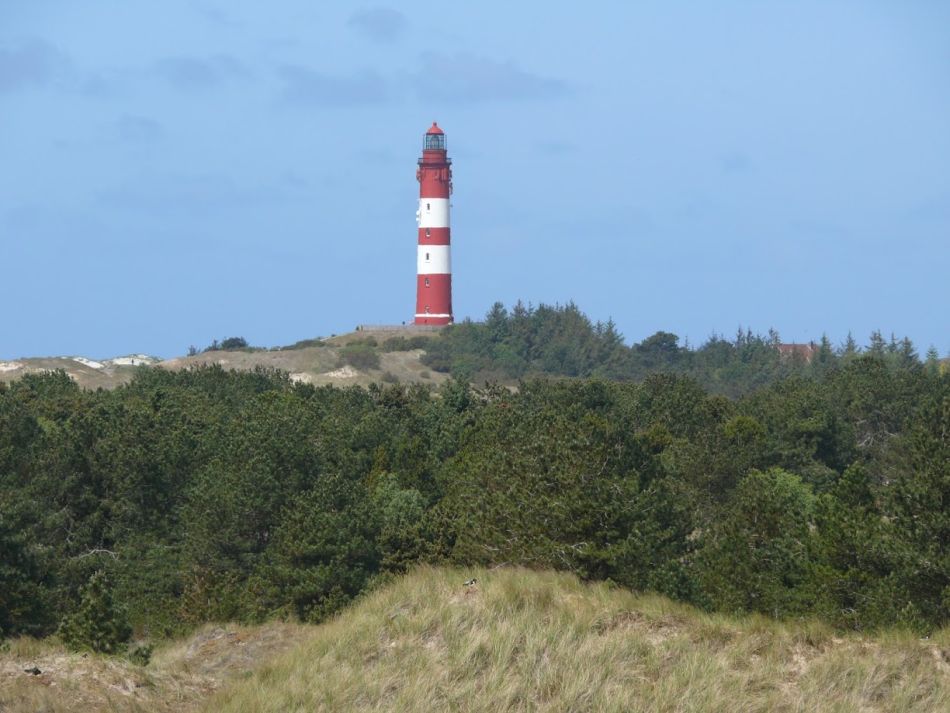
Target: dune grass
[
  {"x": 179, "y": 677},
  {"x": 517, "y": 641},
  {"x": 525, "y": 641}
]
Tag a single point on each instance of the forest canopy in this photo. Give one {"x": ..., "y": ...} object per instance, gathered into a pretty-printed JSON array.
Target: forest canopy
[
  {"x": 730, "y": 476},
  {"x": 560, "y": 340}
]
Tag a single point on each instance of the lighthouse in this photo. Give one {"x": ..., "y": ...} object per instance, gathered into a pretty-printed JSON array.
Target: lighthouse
[{"x": 433, "y": 265}]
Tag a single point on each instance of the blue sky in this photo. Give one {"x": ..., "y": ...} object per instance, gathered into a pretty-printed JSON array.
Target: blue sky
[{"x": 176, "y": 172}]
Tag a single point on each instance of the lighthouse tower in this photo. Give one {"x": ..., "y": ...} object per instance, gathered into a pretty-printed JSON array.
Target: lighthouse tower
[{"x": 433, "y": 266}]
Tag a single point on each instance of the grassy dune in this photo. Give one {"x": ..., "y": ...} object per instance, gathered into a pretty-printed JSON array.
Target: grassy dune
[
  {"x": 181, "y": 675},
  {"x": 523, "y": 640},
  {"x": 517, "y": 641},
  {"x": 318, "y": 365}
]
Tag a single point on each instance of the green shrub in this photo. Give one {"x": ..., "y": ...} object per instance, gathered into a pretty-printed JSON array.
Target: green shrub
[
  {"x": 24, "y": 601},
  {"x": 365, "y": 341},
  {"x": 359, "y": 356},
  {"x": 229, "y": 344},
  {"x": 304, "y": 343},
  {"x": 755, "y": 557},
  {"x": 99, "y": 623},
  {"x": 232, "y": 343},
  {"x": 140, "y": 654},
  {"x": 405, "y": 344}
]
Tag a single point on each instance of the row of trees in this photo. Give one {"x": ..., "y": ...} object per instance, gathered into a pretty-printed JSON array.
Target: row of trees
[
  {"x": 560, "y": 340},
  {"x": 205, "y": 495}
]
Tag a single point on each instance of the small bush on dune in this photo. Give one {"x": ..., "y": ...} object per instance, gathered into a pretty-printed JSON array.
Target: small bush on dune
[
  {"x": 140, "y": 654},
  {"x": 234, "y": 343},
  {"x": 304, "y": 343},
  {"x": 405, "y": 344},
  {"x": 359, "y": 356},
  {"x": 99, "y": 623}
]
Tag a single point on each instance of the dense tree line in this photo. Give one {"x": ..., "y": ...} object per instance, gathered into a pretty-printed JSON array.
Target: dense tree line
[
  {"x": 561, "y": 341},
  {"x": 201, "y": 495}
]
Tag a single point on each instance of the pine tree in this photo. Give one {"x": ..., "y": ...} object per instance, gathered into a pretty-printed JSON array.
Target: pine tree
[
  {"x": 877, "y": 346},
  {"x": 893, "y": 347},
  {"x": 933, "y": 361},
  {"x": 908, "y": 355},
  {"x": 755, "y": 558},
  {"x": 850, "y": 348},
  {"x": 825, "y": 358},
  {"x": 23, "y": 585},
  {"x": 99, "y": 623}
]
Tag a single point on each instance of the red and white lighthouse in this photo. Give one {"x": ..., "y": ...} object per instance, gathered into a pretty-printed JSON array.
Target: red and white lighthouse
[{"x": 433, "y": 264}]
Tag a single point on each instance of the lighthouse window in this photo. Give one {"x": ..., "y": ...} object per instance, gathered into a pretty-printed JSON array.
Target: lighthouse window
[
  {"x": 427, "y": 257},
  {"x": 435, "y": 141},
  {"x": 428, "y": 232},
  {"x": 427, "y": 206},
  {"x": 427, "y": 282}
]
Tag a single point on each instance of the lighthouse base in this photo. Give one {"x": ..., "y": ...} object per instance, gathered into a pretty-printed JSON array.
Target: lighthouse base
[{"x": 437, "y": 319}]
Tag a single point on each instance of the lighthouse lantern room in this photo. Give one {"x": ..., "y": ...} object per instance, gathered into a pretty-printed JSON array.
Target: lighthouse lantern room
[{"x": 434, "y": 267}]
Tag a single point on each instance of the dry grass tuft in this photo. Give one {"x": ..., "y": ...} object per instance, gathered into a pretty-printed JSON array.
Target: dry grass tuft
[{"x": 522, "y": 640}]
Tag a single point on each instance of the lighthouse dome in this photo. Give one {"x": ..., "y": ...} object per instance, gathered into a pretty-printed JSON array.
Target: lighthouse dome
[{"x": 435, "y": 139}]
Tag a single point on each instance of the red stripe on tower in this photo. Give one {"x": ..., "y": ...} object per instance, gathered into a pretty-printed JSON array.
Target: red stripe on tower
[{"x": 433, "y": 264}]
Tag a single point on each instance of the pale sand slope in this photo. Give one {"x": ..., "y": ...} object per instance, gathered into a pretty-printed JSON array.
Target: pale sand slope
[{"x": 310, "y": 365}]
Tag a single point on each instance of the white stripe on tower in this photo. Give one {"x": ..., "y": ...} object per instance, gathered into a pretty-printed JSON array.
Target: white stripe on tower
[
  {"x": 433, "y": 213},
  {"x": 433, "y": 260}
]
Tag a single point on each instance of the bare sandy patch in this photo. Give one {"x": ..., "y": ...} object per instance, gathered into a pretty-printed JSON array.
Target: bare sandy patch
[
  {"x": 91, "y": 363},
  {"x": 344, "y": 372},
  {"x": 134, "y": 360}
]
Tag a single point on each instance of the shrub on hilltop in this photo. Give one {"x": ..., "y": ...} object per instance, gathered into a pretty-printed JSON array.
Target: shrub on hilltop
[
  {"x": 228, "y": 344},
  {"x": 98, "y": 623}
]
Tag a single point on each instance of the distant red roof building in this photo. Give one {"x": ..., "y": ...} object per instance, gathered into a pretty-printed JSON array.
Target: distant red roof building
[{"x": 804, "y": 351}]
